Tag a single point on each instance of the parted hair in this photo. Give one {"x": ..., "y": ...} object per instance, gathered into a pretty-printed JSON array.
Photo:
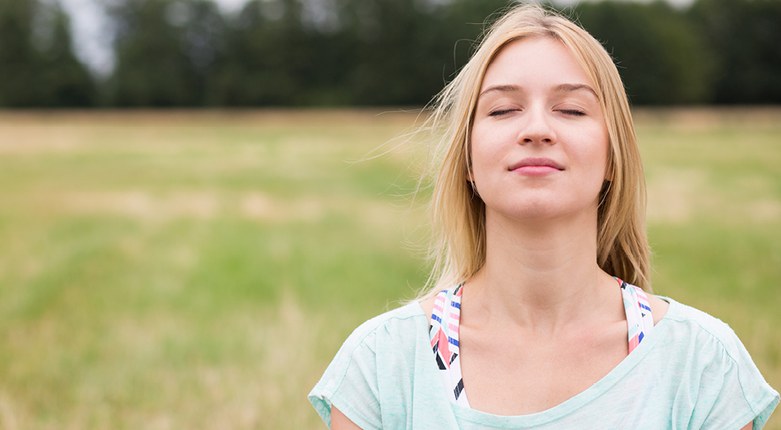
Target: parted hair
[{"x": 458, "y": 214}]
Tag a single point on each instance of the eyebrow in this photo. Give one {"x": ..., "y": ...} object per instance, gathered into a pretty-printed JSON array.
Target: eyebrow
[
  {"x": 563, "y": 88},
  {"x": 501, "y": 88},
  {"x": 567, "y": 88}
]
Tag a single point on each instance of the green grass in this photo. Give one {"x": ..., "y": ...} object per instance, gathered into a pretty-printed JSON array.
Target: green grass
[{"x": 199, "y": 270}]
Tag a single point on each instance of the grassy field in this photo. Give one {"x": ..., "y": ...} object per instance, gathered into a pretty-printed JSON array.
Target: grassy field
[{"x": 199, "y": 270}]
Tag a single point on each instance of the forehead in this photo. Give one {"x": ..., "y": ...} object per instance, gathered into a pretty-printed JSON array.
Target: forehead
[{"x": 536, "y": 62}]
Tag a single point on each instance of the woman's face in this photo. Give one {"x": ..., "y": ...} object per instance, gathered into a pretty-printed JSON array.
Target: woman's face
[{"x": 539, "y": 143}]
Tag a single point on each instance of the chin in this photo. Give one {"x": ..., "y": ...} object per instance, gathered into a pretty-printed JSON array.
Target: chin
[
  {"x": 526, "y": 211},
  {"x": 539, "y": 210}
]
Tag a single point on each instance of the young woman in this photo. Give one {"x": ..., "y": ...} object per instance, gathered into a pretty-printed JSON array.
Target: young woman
[{"x": 541, "y": 314}]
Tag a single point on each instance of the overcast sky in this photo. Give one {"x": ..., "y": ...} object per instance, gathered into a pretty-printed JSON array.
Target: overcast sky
[{"x": 93, "y": 47}]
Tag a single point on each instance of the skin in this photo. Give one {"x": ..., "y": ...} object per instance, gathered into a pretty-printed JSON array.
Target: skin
[
  {"x": 340, "y": 422},
  {"x": 540, "y": 322}
]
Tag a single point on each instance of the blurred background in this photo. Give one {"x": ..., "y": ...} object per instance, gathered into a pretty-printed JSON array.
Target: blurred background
[
  {"x": 199, "y": 200},
  {"x": 225, "y": 53}
]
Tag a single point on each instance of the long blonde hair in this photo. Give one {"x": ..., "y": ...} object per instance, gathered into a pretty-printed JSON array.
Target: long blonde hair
[{"x": 459, "y": 245}]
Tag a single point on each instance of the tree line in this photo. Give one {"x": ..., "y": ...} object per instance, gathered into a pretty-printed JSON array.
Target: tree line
[{"x": 172, "y": 53}]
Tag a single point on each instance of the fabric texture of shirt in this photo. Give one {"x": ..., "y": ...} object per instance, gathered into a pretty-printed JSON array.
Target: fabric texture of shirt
[{"x": 691, "y": 372}]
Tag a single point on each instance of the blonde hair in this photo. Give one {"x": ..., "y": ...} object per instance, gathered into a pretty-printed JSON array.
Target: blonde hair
[{"x": 459, "y": 245}]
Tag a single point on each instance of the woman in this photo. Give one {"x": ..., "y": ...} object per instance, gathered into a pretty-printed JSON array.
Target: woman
[{"x": 538, "y": 316}]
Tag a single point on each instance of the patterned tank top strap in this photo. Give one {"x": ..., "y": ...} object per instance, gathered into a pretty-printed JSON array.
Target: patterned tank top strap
[
  {"x": 443, "y": 333},
  {"x": 639, "y": 320}
]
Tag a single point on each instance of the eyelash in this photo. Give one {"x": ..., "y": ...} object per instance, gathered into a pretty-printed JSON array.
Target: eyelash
[
  {"x": 573, "y": 112},
  {"x": 501, "y": 112}
]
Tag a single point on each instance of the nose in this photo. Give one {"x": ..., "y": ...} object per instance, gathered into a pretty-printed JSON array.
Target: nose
[{"x": 536, "y": 128}]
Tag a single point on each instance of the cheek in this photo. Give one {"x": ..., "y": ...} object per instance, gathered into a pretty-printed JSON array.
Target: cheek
[
  {"x": 590, "y": 161},
  {"x": 486, "y": 146},
  {"x": 483, "y": 157},
  {"x": 596, "y": 155}
]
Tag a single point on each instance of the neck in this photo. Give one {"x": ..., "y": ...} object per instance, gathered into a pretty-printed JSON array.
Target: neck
[{"x": 540, "y": 276}]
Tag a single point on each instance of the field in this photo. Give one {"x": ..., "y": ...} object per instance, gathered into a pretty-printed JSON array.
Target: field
[{"x": 199, "y": 270}]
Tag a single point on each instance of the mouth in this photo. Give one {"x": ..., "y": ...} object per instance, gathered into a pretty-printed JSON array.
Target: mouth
[{"x": 536, "y": 164}]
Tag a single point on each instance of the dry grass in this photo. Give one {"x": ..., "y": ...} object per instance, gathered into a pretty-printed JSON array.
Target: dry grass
[{"x": 167, "y": 270}]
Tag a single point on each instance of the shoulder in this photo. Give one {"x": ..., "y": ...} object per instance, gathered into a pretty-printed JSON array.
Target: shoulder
[
  {"x": 707, "y": 361},
  {"x": 427, "y": 304},
  {"x": 659, "y": 307},
  {"x": 396, "y": 321},
  {"x": 688, "y": 327},
  {"x": 701, "y": 326},
  {"x": 397, "y": 329},
  {"x": 355, "y": 379}
]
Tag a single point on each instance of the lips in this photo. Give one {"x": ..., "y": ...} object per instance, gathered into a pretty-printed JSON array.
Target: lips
[{"x": 536, "y": 163}]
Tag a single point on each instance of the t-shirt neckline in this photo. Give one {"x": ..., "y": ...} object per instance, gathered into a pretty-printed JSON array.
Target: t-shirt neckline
[{"x": 575, "y": 402}]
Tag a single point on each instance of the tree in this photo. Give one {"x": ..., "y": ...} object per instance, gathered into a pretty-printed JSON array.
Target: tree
[
  {"x": 64, "y": 80},
  {"x": 406, "y": 50},
  {"x": 152, "y": 65},
  {"x": 661, "y": 58},
  {"x": 203, "y": 37},
  {"x": 746, "y": 35},
  {"x": 378, "y": 52},
  {"x": 266, "y": 52},
  {"x": 39, "y": 68},
  {"x": 17, "y": 54}
]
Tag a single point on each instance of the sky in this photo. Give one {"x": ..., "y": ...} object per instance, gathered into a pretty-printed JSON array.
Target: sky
[{"x": 89, "y": 28}]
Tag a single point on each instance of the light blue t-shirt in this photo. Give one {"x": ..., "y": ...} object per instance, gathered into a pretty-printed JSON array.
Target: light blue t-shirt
[{"x": 691, "y": 372}]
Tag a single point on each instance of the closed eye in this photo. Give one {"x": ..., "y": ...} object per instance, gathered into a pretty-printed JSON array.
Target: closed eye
[
  {"x": 573, "y": 112},
  {"x": 501, "y": 112}
]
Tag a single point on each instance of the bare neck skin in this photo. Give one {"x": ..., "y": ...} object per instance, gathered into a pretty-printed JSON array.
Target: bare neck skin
[{"x": 541, "y": 277}]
